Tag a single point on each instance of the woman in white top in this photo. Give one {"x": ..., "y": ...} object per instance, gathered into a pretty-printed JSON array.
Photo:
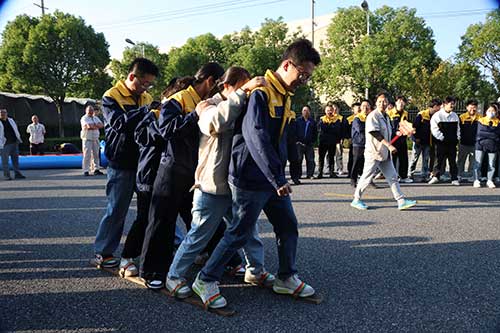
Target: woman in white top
[{"x": 37, "y": 136}]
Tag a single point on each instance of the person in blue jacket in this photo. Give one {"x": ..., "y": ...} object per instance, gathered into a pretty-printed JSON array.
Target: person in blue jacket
[
  {"x": 178, "y": 126},
  {"x": 307, "y": 134},
  {"x": 257, "y": 177},
  {"x": 332, "y": 129},
  {"x": 358, "y": 141},
  {"x": 124, "y": 106},
  {"x": 487, "y": 142}
]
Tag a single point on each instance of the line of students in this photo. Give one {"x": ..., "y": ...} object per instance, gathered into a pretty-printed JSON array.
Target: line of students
[{"x": 187, "y": 145}]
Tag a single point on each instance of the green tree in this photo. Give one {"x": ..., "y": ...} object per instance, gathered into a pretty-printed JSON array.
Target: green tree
[
  {"x": 57, "y": 54},
  {"x": 399, "y": 43},
  {"x": 187, "y": 59},
  {"x": 151, "y": 52},
  {"x": 481, "y": 46}
]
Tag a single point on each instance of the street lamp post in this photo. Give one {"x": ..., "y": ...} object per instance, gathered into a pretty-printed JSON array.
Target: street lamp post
[
  {"x": 132, "y": 43},
  {"x": 364, "y": 5}
]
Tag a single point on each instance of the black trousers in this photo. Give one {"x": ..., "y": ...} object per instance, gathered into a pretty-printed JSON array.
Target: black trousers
[
  {"x": 293, "y": 159},
  {"x": 432, "y": 157},
  {"x": 36, "y": 148},
  {"x": 445, "y": 152},
  {"x": 349, "y": 161},
  {"x": 358, "y": 161},
  {"x": 402, "y": 157},
  {"x": 171, "y": 197},
  {"x": 325, "y": 148},
  {"x": 135, "y": 237}
]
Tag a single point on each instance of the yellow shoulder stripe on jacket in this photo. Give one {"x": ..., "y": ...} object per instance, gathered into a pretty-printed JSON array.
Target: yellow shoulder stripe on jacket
[{"x": 486, "y": 121}]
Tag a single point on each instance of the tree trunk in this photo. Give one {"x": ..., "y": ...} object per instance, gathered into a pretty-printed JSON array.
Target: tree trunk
[{"x": 59, "y": 106}]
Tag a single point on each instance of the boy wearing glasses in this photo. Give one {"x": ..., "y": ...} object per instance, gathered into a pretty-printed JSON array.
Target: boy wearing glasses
[
  {"x": 257, "y": 177},
  {"x": 124, "y": 106}
]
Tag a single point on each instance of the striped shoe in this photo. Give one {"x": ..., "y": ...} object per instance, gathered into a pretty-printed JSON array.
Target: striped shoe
[
  {"x": 209, "y": 293},
  {"x": 293, "y": 286},
  {"x": 264, "y": 279}
]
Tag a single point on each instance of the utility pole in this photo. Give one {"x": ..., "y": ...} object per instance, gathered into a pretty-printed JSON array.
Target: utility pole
[
  {"x": 365, "y": 7},
  {"x": 41, "y": 5},
  {"x": 312, "y": 22}
]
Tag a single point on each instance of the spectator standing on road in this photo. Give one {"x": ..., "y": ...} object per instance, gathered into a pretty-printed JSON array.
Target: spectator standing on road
[
  {"x": 378, "y": 151},
  {"x": 355, "y": 110},
  {"x": 331, "y": 129},
  {"x": 468, "y": 132},
  {"x": 124, "y": 106},
  {"x": 400, "y": 159},
  {"x": 9, "y": 145},
  {"x": 91, "y": 124},
  {"x": 307, "y": 134},
  {"x": 422, "y": 139},
  {"x": 36, "y": 130},
  {"x": 488, "y": 141},
  {"x": 445, "y": 130},
  {"x": 358, "y": 139}
]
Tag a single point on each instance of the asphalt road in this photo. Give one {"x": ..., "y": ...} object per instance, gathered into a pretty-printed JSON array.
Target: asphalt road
[{"x": 433, "y": 268}]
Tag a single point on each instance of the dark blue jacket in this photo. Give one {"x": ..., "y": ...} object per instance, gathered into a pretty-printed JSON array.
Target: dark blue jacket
[
  {"x": 358, "y": 130},
  {"x": 121, "y": 114},
  {"x": 332, "y": 132},
  {"x": 259, "y": 151},
  {"x": 151, "y": 144},
  {"x": 468, "y": 129},
  {"x": 488, "y": 135},
  {"x": 309, "y": 136},
  {"x": 395, "y": 118},
  {"x": 422, "y": 125}
]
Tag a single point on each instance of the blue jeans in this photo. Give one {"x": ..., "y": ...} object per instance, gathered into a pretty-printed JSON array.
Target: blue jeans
[
  {"x": 425, "y": 151},
  {"x": 479, "y": 156},
  {"x": 12, "y": 150},
  {"x": 119, "y": 191},
  {"x": 247, "y": 206},
  {"x": 208, "y": 212}
]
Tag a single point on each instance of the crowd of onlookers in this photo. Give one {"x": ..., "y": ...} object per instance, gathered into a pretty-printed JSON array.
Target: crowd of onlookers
[
  {"x": 441, "y": 138},
  {"x": 10, "y": 138}
]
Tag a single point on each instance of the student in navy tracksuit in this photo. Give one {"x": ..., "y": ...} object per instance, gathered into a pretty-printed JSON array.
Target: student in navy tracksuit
[
  {"x": 178, "y": 125},
  {"x": 257, "y": 177},
  {"x": 355, "y": 110},
  {"x": 358, "y": 142},
  {"x": 293, "y": 156},
  {"x": 124, "y": 106},
  {"x": 331, "y": 128},
  {"x": 487, "y": 142},
  {"x": 422, "y": 139},
  {"x": 397, "y": 115}
]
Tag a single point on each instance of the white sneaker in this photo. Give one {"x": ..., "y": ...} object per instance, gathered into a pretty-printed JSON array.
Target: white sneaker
[
  {"x": 476, "y": 184},
  {"x": 128, "y": 267},
  {"x": 178, "y": 288},
  {"x": 209, "y": 293},
  {"x": 434, "y": 180},
  {"x": 455, "y": 183},
  {"x": 264, "y": 279},
  {"x": 407, "y": 180},
  {"x": 490, "y": 184},
  {"x": 293, "y": 286}
]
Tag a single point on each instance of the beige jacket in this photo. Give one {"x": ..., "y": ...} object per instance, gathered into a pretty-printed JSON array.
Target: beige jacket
[
  {"x": 374, "y": 149},
  {"x": 217, "y": 125}
]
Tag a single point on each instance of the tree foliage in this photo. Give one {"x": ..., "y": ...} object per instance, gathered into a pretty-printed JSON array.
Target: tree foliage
[
  {"x": 481, "y": 46},
  {"x": 399, "y": 43},
  {"x": 57, "y": 55}
]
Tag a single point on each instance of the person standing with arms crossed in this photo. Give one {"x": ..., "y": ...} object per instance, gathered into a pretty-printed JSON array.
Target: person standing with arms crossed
[{"x": 91, "y": 125}]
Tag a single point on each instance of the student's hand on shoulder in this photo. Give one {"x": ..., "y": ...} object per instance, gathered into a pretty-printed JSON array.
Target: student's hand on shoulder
[
  {"x": 201, "y": 107},
  {"x": 258, "y": 81},
  {"x": 284, "y": 190}
]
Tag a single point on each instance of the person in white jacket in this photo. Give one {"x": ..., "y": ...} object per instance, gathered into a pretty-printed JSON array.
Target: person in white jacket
[
  {"x": 445, "y": 129},
  {"x": 212, "y": 196},
  {"x": 9, "y": 145}
]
